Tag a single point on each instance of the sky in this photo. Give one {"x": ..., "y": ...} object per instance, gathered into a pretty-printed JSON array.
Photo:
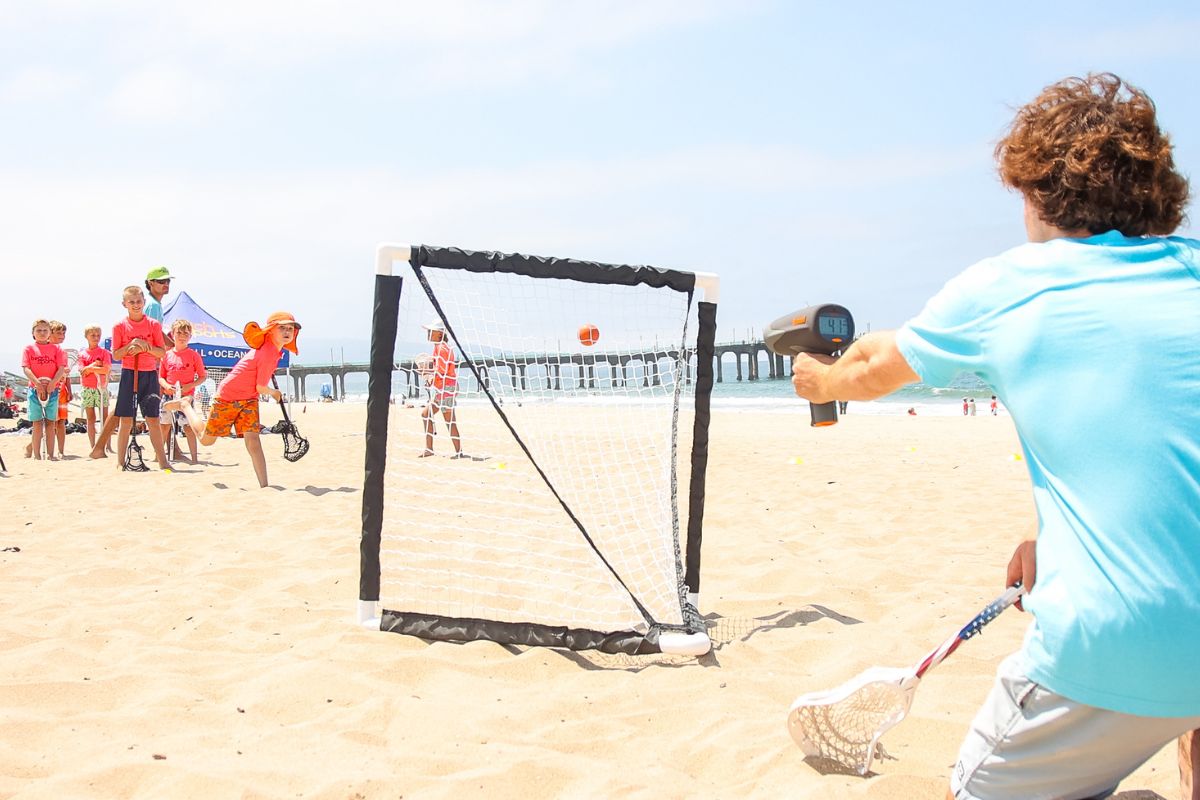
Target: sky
[{"x": 803, "y": 151}]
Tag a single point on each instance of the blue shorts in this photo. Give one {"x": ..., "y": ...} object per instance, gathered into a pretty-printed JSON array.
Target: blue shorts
[
  {"x": 148, "y": 397},
  {"x": 39, "y": 411}
]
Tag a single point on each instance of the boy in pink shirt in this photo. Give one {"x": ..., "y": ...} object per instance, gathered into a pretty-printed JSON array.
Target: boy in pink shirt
[
  {"x": 95, "y": 367},
  {"x": 181, "y": 366},
  {"x": 44, "y": 364},
  {"x": 235, "y": 406},
  {"x": 138, "y": 343}
]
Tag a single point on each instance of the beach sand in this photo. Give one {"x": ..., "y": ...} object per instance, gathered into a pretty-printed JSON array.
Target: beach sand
[{"x": 189, "y": 635}]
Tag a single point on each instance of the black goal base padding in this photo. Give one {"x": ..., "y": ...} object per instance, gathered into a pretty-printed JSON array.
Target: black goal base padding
[{"x": 452, "y": 629}]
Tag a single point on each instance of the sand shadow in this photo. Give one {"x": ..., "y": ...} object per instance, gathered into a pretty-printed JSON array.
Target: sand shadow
[
  {"x": 724, "y": 630},
  {"x": 317, "y": 491},
  {"x": 1138, "y": 794}
]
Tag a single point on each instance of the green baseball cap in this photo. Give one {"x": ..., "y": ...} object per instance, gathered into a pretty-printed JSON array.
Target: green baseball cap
[{"x": 158, "y": 274}]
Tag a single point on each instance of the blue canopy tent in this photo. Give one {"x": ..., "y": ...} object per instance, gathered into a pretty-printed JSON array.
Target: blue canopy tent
[{"x": 219, "y": 345}]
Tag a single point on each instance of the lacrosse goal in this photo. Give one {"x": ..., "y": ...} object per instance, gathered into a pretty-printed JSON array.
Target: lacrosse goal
[{"x": 548, "y": 487}]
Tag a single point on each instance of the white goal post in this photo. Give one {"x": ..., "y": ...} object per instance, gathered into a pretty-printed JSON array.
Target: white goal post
[{"x": 536, "y": 449}]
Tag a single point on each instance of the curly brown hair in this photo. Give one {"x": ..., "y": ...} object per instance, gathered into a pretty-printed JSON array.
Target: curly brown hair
[{"x": 1088, "y": 154}]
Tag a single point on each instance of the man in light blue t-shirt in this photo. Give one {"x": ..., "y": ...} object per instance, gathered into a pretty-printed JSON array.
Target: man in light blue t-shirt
[
  {"x": 1101, "y": 302},
  {"x": 158, "y": 283}
]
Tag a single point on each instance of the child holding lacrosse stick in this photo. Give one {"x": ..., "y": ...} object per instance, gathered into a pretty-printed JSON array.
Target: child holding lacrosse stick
[
  {"x": 95, "y": 367},
  {"x": 138, "y": 343},
  {"x": 182, "y": 369},
  {"x": 1101, "y": 293},
  {"x": 44, "y": 364},
  {"x": 235, "y": 407}
]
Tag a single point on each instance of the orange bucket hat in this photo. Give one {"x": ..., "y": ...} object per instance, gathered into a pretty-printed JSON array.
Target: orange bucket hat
[{"x": 255, "y": 335}]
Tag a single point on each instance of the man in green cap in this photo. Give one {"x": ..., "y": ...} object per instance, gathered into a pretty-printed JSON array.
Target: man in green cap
[{"x": 158, "y": 283}]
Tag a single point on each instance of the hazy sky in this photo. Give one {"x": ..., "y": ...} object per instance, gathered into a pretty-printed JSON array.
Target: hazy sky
[{"x": 804, "y": 152}]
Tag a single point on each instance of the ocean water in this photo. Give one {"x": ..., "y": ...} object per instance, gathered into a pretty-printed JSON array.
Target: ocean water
[{"x": 775, "y": 396}]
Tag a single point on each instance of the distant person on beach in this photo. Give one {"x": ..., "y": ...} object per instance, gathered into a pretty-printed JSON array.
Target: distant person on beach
[
  {"x": 966, "y": 407},
  {"x": 912, "y": 412},
  {"x": 235, "y": 406},
  {"x": 1107, "y": 673},
  {"x": 441, "y": 375},
  {"x": 138, "y": 344},
  {"x": 843, "y": 405},
  {"x": 972, "y": 406},
  {"x": 204, "y": 398},
  {"x": 44, "y": 365},
  {"x": 994, "y": 411},
  {"x": 95, "y": 368},
  {"x": 181, "y": 366}
]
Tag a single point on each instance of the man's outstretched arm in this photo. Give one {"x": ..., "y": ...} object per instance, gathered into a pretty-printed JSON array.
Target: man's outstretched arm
[{"x": 870, "y": 368}]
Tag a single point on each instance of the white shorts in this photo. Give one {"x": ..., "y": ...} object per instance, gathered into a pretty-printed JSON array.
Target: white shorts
[{"x": 1026, "y": 741}]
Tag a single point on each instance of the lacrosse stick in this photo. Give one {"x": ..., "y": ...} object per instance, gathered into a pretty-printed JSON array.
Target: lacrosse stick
[
  {"x": 846, "y": 723},
  {"x": 47, "y": 428},
  {"x": 294, "y": 445},
  {"x": 134, "y": 462}
]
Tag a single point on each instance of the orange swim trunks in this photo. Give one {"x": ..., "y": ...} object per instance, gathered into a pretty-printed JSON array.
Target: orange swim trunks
[
  {"x": 64, "y": 397},
  {"x": 235, "y": 415}
]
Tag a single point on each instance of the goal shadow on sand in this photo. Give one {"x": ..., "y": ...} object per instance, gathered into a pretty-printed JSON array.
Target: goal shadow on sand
[
  {"x": 726, "y": 630},
  {"x": 721, "y": 631}
]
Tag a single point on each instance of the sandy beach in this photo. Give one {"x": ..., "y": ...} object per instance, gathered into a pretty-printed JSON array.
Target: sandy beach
[{"x": 188, "y": 635}]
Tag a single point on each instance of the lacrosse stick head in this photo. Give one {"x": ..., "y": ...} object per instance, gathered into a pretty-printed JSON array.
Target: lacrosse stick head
[
  {"x": 294, "y": 445},
  {"x": 845, "y": 724},
  {"x": 134, "y": 461}
]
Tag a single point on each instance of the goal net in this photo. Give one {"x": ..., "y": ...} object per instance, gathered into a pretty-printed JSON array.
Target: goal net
[{"x": 537, "y": 436}]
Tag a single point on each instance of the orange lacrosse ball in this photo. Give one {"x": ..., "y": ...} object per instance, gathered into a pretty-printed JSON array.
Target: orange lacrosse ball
[{"x": 589, "y": 335}]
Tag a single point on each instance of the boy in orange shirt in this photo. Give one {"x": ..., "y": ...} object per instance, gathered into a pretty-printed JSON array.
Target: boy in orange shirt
[
  {"x": 44, "y": 364},
  {"x": 183, "y": 367},
  {"x": 235, "y": 406},
  {"x": 138, "y": 343},
  {"x": 58, "y": 335},
  {"x": 443, "y": 377},
  {"x": 95, "y": 367}
]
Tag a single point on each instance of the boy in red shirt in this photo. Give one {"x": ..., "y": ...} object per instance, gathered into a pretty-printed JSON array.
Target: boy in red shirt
[
  {"x": 235, "y": 406},
  {"x": 138, "y": 343},
  {"x": 44, "y": 364},
  {"x": 95, "y": 367},
  {"x": 443, "y": 377},
  {"x": 181, "y": 366}
]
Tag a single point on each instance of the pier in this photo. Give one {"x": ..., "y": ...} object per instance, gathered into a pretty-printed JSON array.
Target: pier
[{"x": 621, "y": 369}]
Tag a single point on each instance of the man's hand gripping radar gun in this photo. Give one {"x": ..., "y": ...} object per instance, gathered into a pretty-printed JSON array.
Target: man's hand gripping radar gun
[{"x": 827, "y": 329}]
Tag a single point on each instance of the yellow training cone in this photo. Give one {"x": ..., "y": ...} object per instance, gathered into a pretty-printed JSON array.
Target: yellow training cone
[{"x": 795, "y": 460}]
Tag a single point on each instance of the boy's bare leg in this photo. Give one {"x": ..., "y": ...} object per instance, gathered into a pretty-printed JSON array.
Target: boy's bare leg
[
  {"x": 427, "y": 420},
  {"x": 90, "y": 414},
  {"x": 106, "y": 432},
  {"x": 191, "y": 440},
  {"x": 61, "y": 431},
  {"x": 1189, "y": 762},
  {"x": 455, "y": 439},
  {"x": 125, "y": 425},
  {"x": 254, "y": 447},
  {"x": 156, "y": 439},
  {"x": 34, "y": 450},
  {"x": 195, "y": 422}
]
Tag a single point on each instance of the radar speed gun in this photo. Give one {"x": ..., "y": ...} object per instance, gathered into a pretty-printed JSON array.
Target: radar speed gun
[{"x": 826, "y": 328}]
